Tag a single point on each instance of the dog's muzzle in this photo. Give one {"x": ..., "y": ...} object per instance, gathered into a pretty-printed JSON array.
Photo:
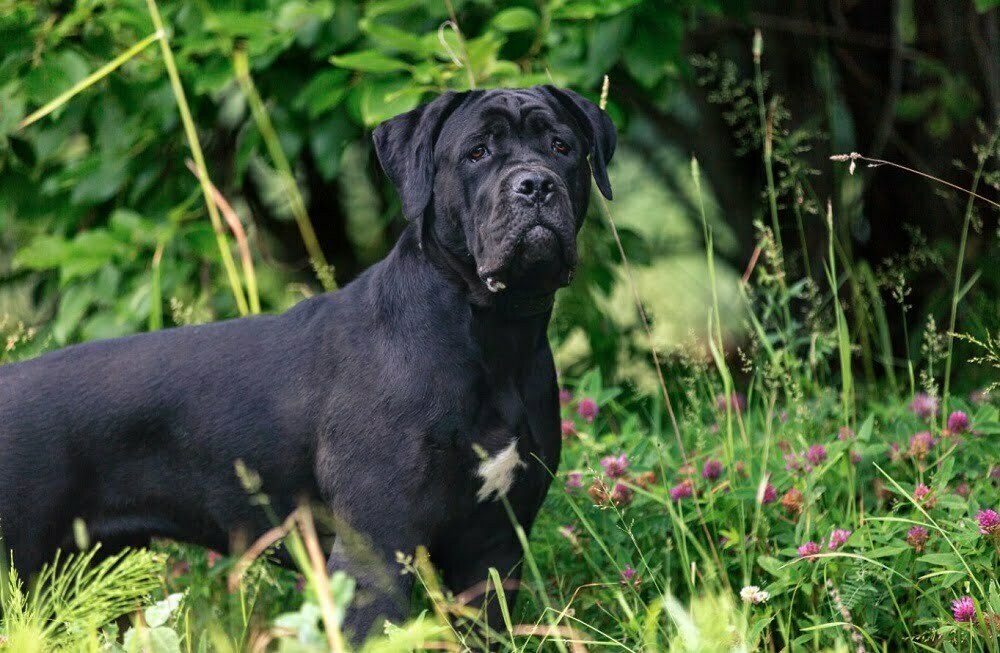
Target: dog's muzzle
[{"x": 537, "y": 233}]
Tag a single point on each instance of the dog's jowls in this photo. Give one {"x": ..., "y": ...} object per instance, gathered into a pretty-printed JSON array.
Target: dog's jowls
[{"x": 408, "y": 403}]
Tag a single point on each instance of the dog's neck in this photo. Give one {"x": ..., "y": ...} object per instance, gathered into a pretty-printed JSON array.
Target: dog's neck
[
  {"x": 507, "y": 305},
  {"x": 506, "y": 342}
]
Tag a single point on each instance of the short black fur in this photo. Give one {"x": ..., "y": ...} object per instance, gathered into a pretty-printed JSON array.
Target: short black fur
[{"x": 373, "y": 400}]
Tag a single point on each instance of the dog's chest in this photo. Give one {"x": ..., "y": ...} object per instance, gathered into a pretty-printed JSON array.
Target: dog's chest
[
  {"x": 497, "y": 473},
  {"x": 498, "y": 456}
]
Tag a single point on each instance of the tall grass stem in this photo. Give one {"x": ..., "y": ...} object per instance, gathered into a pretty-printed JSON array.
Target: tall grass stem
[
  {"x": 199, "y": 159},
  {"x": 277, "y": 154},
  {"x": 90, "y": 79},
  {"x": 957, "y": 293}
]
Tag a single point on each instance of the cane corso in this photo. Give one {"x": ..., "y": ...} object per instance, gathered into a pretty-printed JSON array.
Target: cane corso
[{"x": 409, "y": 403}]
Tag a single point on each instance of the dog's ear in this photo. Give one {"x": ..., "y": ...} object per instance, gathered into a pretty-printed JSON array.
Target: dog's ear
[
  {"x": 405, "y": 149},
  {"x": 597, "y": 127}
]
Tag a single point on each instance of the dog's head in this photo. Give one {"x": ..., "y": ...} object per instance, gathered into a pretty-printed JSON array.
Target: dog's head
[{"x": 505, "y": 177}]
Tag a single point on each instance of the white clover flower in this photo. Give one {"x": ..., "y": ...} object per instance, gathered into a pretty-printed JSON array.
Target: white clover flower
[{"x": 754, "y": 595}]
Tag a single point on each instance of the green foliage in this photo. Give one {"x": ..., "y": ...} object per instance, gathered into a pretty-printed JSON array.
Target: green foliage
[
  {"x": 73, "y": 597},
  {"x": 91, "y": 191}
]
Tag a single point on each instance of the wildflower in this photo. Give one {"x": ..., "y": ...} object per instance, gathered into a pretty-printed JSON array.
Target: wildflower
[
  {"x": 783, "y": 417},
  {"x": 921, "y": 445},
  {"x": 300, "y": 583},
  {"x": 838, "y": 538},
  {"x": 768, "y": 495},
  {"x": 568, "y": 428},
  {"x": 964, "y": 609},
  {"x": 963, "y": 490},
  {"x": 754, "y": 595},
  {"x": 621, "y": 495},
  {"x": 793, "y": 501},
  {"x": 894, "y": 453},
  {"x": 958, "y": 422},
  {"x": 712, "y": 470},
  {"x": 809, "y": 551},
  {"x": 686, "y": 470},
  {"x": 644, "y": 479},
  {"x": 995, "y": 473},
  {"x": 845, "y": 434},
  {"x": 856, "y": 457},
  {"x": 924, "y": 496},
  {"x": 598, "y": 492},
  {"x": 924, "y": 406},
  {"x": 565, "y": 396},
  {"x": 740, "y": 468},
  {"x": 574, "y": 481},
  {"x": 989, "y": 522},
  {"x": 917, "y": 538},
  {"x": 682, "y": 490},
  {"x": 213, "y": 557},
  {"x": 629, "y": 576},
  {"x": 816, "y": 454},
  {"x": 587, "y": 409},
  {"x": 615, "y": 466},
  {"x": 736, "y": 401},
  {"x": 793, "y": 463}
]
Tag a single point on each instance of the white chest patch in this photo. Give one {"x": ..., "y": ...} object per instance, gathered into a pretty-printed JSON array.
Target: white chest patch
[{"x": 498, "y": 473}]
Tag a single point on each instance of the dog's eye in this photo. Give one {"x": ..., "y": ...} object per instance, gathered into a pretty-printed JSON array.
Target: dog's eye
[
  {"x": 478, "y": 152},
  {"x": 560, "y": 146}
]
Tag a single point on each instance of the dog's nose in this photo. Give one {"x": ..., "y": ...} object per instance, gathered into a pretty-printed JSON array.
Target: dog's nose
[{"x": 534, "y": 185}]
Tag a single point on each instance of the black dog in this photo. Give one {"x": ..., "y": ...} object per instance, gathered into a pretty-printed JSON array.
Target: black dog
[{"x": 379, "y": 400}]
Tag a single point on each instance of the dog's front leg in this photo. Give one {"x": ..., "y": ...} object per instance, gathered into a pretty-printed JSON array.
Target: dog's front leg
[
  {"x": 466, "y": 571},
  {"x": 382, "y": 591}
]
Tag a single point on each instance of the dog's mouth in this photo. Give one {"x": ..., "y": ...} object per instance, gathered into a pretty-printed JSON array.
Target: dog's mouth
[{"x": 537, "y": 255}]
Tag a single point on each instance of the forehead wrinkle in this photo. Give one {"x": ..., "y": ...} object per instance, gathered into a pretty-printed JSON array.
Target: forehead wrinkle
[
  {"x": 497, "y": 112},
  {"x": 531, "y": 118}
]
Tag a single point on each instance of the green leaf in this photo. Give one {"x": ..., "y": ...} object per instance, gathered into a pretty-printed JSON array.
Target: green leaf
[
  {"x": 152, "y": 640},
  {"x": 42, "y": 253},
  {"x": 369, "y": 61},
  {"x": 941, "y": 559},
  {"x": 73, "y": 304},
  {"x": 381, "y": 100},
  {"x": 158, "y": 613},
  {"x": 772, "y": 566},
  {"x": 865, "y": 432},
  {"x": 985, "y": 5},
  {"x": 304, "y": 622},
  {"x": 501, "y": 598},
  {"x": 88, "y": 253},
  {"x": 591, "y": 9},
  {"x": 757, "y": 629},
  {"x": 515, "y": 19},
  {"x": 325, "y": 91},
  {"x": 394, "y": 39},
  {"x": 887, "y": 551},
  {"x": 106, "y": 177},
  {"x": 342, "y": 591}
]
